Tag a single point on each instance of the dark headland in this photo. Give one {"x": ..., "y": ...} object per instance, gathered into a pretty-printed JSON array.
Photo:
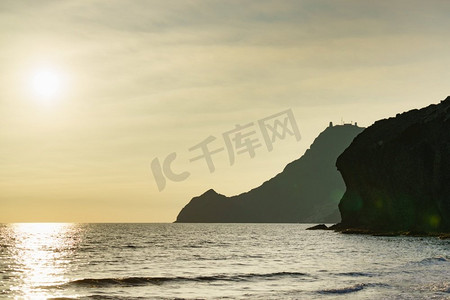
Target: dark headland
[
  {"x": 397, "y": 174},
  {"x": 308, "y": 189}
]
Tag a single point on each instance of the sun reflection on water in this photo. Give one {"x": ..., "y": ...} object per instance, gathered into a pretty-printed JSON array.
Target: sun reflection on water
[{"x": 42, "y": 255}]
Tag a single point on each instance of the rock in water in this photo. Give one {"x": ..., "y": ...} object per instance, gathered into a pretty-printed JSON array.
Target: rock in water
[
  {"x": 308, "y": 190},
  {"x": 397, "y": 173},
  {"x": 318, "y": 227}
]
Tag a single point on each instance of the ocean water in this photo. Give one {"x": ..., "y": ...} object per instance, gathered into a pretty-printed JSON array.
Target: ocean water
[{"x": 216, "y": 261}]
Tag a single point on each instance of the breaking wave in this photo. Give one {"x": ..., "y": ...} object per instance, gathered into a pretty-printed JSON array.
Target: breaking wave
[{"x": 137, "y": 281}]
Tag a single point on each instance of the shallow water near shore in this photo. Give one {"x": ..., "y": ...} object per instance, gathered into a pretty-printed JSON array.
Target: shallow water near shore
[{"x": 226, "y": 261}]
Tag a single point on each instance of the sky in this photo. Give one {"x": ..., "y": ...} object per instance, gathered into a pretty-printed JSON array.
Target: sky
[{"x": 92, "y": 92}]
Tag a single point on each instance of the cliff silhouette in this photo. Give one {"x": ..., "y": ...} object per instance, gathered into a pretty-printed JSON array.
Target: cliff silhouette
[
  {"x": 307, "y": 190},
  {"x": 397, "y": 174}
]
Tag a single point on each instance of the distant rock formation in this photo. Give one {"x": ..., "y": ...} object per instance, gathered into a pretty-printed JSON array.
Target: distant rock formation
[
  {"x": 308, "y": 189},
  {"x": 397, "y": 174}
]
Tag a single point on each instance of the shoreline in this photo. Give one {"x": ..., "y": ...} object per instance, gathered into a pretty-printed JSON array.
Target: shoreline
[{"x": 387, "y": 233}]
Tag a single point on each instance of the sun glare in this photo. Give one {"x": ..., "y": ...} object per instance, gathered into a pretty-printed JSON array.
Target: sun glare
[
  {"x": 42, "y": 250},
  {"x": 47, "y": 84}
]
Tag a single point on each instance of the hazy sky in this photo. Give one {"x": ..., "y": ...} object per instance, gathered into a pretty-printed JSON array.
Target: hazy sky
[{"x": 142, "y": 79}]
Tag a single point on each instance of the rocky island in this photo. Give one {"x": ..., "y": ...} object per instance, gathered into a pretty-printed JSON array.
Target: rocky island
[{"x": 308, "y": 190}]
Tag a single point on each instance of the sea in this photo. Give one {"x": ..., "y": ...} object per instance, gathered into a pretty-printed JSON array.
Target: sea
[{"x": 216, "y": 261}]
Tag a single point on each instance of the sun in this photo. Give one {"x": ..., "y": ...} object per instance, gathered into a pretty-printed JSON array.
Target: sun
[{"x": 47, "y": 84}]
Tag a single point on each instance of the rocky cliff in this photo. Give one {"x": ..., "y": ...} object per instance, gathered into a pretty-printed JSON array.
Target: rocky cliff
[
  {"x": 397, "y": 173},
  {"x": 308, "y": 189}
]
